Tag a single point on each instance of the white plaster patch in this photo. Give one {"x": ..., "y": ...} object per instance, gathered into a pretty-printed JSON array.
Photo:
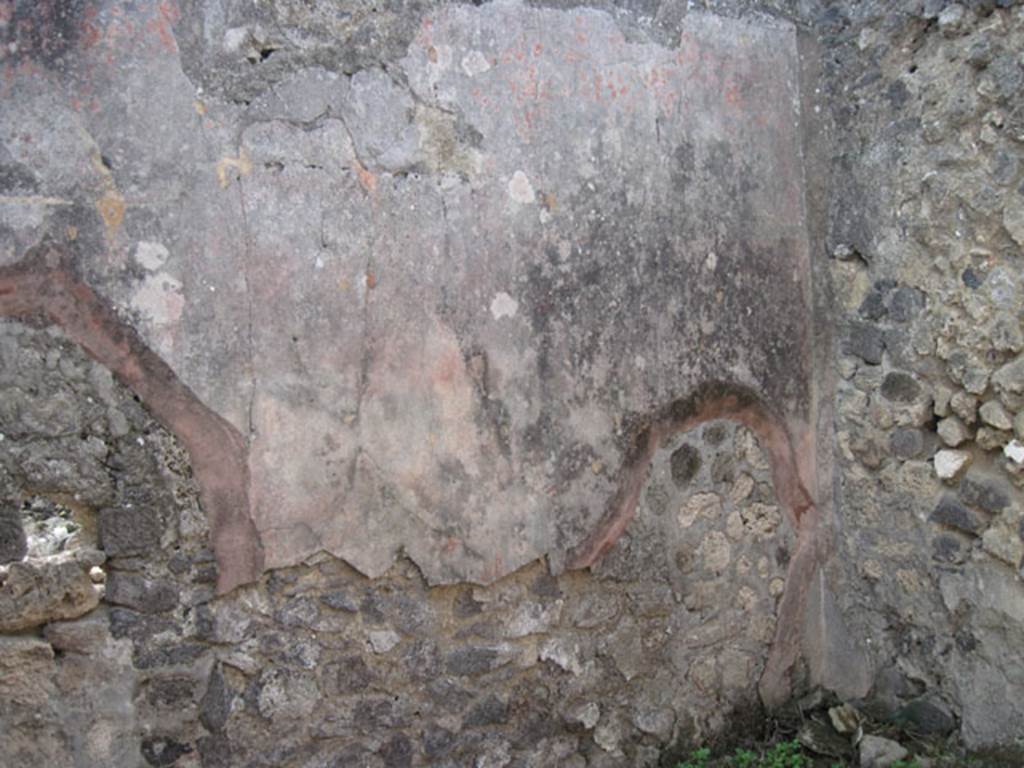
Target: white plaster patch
[
  {"x": 475, "y": 63},
  {"x": 503, "y": 305},
  {"x": 711, "y": 261},
  {"x": 160, "y": 299},
  {"x": 235, "y": 38},
  {"x": 520, "y": 189},
  {"x": 151, "y": 256}
]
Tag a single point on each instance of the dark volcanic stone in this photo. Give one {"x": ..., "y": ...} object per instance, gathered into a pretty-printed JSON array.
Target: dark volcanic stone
[
  {"x": 377, "y": 713},
  {"x": 900, "y": 387},
  {"x": 953, "y": 514},
  {"x": 141, "y": 594},
  {"x": 162, "y": 750},
  {"x": 167, "y": 656},
  {"x": 437, "y": 741},
  {"x": 864, "y": 341},
  {"x": 947, "y": 549},
  {"x": 298, "y": 612},
  {"x": 215, "y": 752},
  {"x": 353, "y": 675},
  {"x": 546, "y": 585},
  {"x": 13, "y": 545},
  {"x": 137, "y": 626},
  {"x": 490, "y": 711},
  {"x": 685, "y": 464},
  {"x": 447, "y": 696},
  {"x": 715, "y": 434},
  {"x": 873, "y": 306},
  {"x": 340, "y": 601},
  {"x": 372, "y": 608},
  {"x": 130, "y": 531},
  {"x": 927, "y": 717},
  {"x": 906, "y": 443},
  {"x": 471, "y": 661},
  {"x": 397, "y": 752},
  {"x": 988, "y": 494},
  {"x": 971, "y": 279},
  {"x": 170, "y": 692},
  {"x": 905, "y": 304},
  {"x": 215, "y": 707}
]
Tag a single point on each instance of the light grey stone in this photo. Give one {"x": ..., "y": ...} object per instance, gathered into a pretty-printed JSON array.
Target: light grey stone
[
  {"x": 965, "y": 406},
  {"x": 1008, "y": 382},
  {"x": 994, "y": 414},
  {"x": 953, "y": 431},
  {"x": 1013, "y": 218},
  {"x": 383, "y": 640},
  {"x": 879, "y": 752},
  {"x": 950, "y": 465}
]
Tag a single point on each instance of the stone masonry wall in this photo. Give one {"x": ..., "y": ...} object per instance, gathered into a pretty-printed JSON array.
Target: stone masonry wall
[
  {"x": 115, "y": 649},
  {"x": 925, "y": 248},
  {"x": 319, "y": 666}
]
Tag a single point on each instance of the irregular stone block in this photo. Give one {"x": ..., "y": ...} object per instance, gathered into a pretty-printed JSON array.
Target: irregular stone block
[
  {"x": 476, "y": 660},
  {"x": 953, "y": 431},
  {"x": 27, "y": 675},
  {"x": 951, "y": 513},
  {"x": 129, "y": 531},
  {"x": 139, "y": 593},
  {"x": 215, "y": 706},
  {"x": 86, "y": 635},
  {"x": 864, "y": 341},
  {"x": 1008, "y": 382},
  {"x": 928, "y": 717},
  {"x": 879, "y": 752},
  {"x": 13, "y": 545},
  {"x": 949, "y": 465},
  {"x": 900, "y": 387},
  {"x": 40, "y": 590},
  {"x": 990, "y": 494},
  {"x": 994, "y": 414},
  {"x": 906, "y": 443}
]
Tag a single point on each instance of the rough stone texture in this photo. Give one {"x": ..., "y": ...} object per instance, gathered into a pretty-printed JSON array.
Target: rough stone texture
[
  {"x": 925, "y": 105},
  {"x": 35, "y": 591},
  {"x": 288, "y": 227},
  {"x": 665, "y": 639}
]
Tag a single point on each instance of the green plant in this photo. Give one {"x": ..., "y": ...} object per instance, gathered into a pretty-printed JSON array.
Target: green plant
[
  {"x": 911, "y": 763},
  {"x": 698, "y": 759},
  {"x": 744, "y": 758},
  {"x": 785, "y": 754}
]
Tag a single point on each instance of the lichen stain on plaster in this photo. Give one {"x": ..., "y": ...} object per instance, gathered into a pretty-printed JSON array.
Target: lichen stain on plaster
[
  {"x": 151, "y": 256},
  {"x": 242, "y": 164},
  {"x": 520, "y": 189},
  {"x": 503, "y": 305},
  {"x": 161, "y": 302}
]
